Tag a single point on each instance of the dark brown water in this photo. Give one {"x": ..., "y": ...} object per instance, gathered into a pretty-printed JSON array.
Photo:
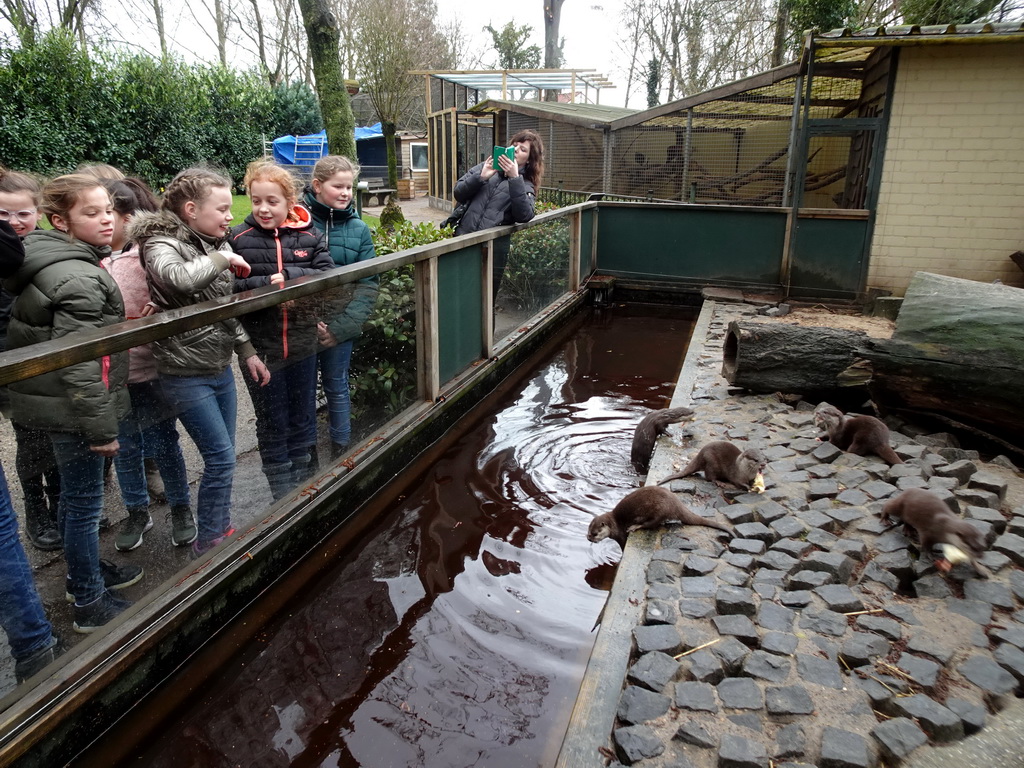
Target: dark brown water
[{"x": 458, "y": 632}]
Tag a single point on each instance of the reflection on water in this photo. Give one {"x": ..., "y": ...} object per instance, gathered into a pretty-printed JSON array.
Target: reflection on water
[{"x": 458, "y": 632}]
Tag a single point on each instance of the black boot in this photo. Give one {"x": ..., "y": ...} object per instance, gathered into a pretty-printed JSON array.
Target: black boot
[{"x": 41, "y": 526}]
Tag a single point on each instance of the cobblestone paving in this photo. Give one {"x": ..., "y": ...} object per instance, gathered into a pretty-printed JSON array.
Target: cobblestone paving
[{"x": 817, "y": 636}]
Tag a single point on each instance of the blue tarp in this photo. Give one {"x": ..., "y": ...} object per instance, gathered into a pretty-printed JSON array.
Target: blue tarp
[{"x": 306, "y": 150}]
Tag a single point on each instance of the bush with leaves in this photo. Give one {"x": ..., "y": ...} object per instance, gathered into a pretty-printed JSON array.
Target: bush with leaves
[
  {"x": 383, "y": 371},
  {"x": 63, "y": 106},
  {"x": 537, "y": 269}
]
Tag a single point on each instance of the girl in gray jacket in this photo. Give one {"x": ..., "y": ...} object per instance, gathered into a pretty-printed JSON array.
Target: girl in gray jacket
[{"x": 185, "y": 264}]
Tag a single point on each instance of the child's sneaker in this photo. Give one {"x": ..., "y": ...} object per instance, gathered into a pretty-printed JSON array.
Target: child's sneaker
[
  {"x": 114, "y": 577},
  {"x": 89, "y": 618},
  {"x": 35, "y": 661},
  {"x": 132, "y": 527},
  {"x": 200, "y": 547},
  {"x": 183, "y": 525}
]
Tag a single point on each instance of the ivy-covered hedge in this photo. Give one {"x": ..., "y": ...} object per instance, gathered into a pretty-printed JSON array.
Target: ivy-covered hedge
[{"x": 63, "y": 106}]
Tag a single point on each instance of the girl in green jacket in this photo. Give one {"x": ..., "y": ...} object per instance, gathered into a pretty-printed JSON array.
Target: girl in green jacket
[{"x": 331, "y": 202}]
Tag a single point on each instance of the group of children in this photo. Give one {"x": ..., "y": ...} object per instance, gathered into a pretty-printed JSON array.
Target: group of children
[{"x": 115, "y": 252}]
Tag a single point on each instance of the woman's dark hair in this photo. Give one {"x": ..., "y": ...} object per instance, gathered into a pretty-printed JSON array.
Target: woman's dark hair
[
  {"x": 534, "y": 171},
  {"x": 130, "y": 195}
]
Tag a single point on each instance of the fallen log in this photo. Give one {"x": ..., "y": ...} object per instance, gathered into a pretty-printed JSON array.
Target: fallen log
[
  {"x": 957, "y": 351},
  {"x": 779, "y": 357}
]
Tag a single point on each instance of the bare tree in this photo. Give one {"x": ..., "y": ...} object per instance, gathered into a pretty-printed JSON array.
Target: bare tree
[
  {"x": 396, "y": 36},
  {"x": 221, "y": 13},
  {"x": 31, "y": 18},
  {"x": 271, "y": 35}
]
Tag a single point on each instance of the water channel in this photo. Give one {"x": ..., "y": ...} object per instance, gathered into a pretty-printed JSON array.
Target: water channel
[{"x": 456, "y": 632}]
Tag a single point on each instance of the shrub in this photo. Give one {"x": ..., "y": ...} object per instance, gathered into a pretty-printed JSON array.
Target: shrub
[{"x": 383, "y": 371}]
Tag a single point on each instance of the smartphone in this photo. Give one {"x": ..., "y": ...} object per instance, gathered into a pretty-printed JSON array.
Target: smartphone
[{"x": 509, "y": 152}]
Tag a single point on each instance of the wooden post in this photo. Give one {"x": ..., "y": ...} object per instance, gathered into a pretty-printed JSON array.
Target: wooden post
[
  {"x": 428, "y": 374},
  {"x": 575, "y": 235},
  {"x": 487, "y": 300},
  {"x": 455, "y": 154}
]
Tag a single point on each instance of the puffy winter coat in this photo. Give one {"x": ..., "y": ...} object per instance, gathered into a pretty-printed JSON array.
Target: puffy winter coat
[
  {"x": 492, "y": 203},
  {"x": 183, "y": 268},
  {"x": 60, "y": 289},
  {"x": 348, "y": 240},
  {"x": 295, "y": 249}
]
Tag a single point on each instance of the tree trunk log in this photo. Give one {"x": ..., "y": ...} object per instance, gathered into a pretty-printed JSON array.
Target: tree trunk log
[
  {"x": 958, "y": 351},
  {"x": 777, "y": 357}
]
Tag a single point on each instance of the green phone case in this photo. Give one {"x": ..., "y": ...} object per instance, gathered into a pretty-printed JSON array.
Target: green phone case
[{"x": 509, "y": 152}]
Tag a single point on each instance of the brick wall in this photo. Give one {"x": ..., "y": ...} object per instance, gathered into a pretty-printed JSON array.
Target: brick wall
[{"x": 952, "y": 194}]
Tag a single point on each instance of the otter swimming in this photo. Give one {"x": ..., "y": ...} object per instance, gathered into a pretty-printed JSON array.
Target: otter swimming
[{"x": 647, "y": 432}]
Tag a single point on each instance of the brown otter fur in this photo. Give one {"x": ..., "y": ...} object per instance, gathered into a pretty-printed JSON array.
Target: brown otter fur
[
  {"x": 856, "y": 434},
  {"x": 647, "y": 432},
  {"x": 647, "y": 507},
  {"x": 935, "y": 524},
  {"x": 724, "y": 462}
]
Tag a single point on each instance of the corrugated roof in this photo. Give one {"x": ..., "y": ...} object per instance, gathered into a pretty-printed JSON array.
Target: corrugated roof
[
  {"x": 897, "y": 35},
  {"x": 576, "y": 113},
  {"x": 516, "y": 79}
]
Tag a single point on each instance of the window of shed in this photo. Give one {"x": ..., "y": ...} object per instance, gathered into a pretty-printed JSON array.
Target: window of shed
[{"x": 419, "y": 156}]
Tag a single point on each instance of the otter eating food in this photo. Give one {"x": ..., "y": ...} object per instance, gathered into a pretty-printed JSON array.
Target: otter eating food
[{"x": 721, "y": 461}]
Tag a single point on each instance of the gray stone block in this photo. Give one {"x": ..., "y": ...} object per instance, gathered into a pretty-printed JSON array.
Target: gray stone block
[
  {"x": 663, "y": 572},
  {"x": 695, "y": 565},
  {"x": 826, "y": 453},
  {"x": 758, "y": 531},
  {"x": 778, "y": 561},
  {"x": 696, "y": 609},
  {"x": 770, "y": 511},
  {"x": 903, "y": 613},
  {"x": 692, "y": 732},
  {"x": 824, "y": 622},
  {"x": 961, "y": 470},
  {"x": 861, "y": 648},
  {"x": 795, "y": 548},
  {"x": 797, "y": 598},
  {"x": 879, "y": 489},
  {"x": 809, "y": 580},
  {"x": 851, "y": 548},
  {"x": 814, "y": 669},
  {"x": 788, "y": 527},
  {"x": 740, "y": 693},
  {"x": 660, "y": 612},
  {"x": 704, "y": 667},
  {"x": 739, "y": 627},
  {"x": 1011, "y": 545},
  {"x": 637, "y": 742},
  {"x": 658, "y": 637},
  {"x": 788, "y": 700},
  {"x": 839, "y": 598},
  {"x": 822, "y": 488},
  {"x": 985, "y": 514},
  {"x": 932, "y": 586},
  {"x": 816, "y": 519},
  {"x": 790, "y": 741},
  {"x": 898, "y": 737},
  {"x": 846, "y": 515},
  {"x": 992, "y": 592},
  {"x": 975, "y": 610},
  {"x": 696, "y": 696},
  {"x": 887, "y": 628},
  {"x": 747, "y": 546},
  {"x": 972, "y": 715},
  {"x": 775, "y": 617},
  {"x": 730, "y": 600},
  {"x": 739, "y": 752},
  {"x": 936, "y": 720},
  {"x": 640, "y": 705},
  {"x": 654, "y": 670},
  {"x": 820, "y": 538},
  {"x": 739, "y": 513},
  {"x": 839, "y": 566},
  {"x": 920, "y": 671},
  {"x": 978, "y": 497},
  {"x": 924, "y": 642},
  {"x": 843, "y": 749},
  {"x": 698, "y": 586},
  {"x": 732, "y": 653},
  {"x": 985, "y": 673},
  {"x": 779, "y": 643},
  {"x": 767, "y": 666}
]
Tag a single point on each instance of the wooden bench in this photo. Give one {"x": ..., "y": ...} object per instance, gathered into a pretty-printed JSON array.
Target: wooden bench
[{"x": 376, "y": 190}]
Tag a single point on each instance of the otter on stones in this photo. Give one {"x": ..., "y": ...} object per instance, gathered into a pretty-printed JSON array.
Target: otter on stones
[
  {"x": 724, "y": 462},
  {"x": 647, "y": 507},
  {"x": 856, "y": 434},
  {"x": 935, "y": 524},
  {"x": 647, "y": 432}
]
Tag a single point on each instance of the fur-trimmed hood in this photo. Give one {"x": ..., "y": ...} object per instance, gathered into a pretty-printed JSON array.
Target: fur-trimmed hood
[{"x": 164, "y": 224}]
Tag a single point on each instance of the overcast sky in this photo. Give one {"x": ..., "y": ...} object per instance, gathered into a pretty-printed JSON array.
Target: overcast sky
[{"x": 590, "y": 28}]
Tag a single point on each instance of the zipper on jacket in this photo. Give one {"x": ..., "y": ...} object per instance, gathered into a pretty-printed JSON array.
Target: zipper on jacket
[{"x": 284, "y": 310}]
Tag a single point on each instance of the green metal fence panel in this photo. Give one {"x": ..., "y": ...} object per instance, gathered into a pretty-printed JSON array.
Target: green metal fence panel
[
  {"x": 722, "y": 245},
  {"x": 829, "y": 258},
  {"x": 459, "y": 311}
]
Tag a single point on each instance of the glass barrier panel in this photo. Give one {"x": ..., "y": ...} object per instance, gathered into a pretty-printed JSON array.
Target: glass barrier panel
[
  {"x": 536, "y": 272},
  {"x": 203, "y": 450}
]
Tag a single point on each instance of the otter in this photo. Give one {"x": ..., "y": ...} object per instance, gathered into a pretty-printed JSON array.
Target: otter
[
  {"x": 647, "y": 507},
  {"x": 856, "y": 434},
  {"x": 647, "y": 432},
  {"x": 936, "y": 524},
  {"x": 724, "y": 462}
]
